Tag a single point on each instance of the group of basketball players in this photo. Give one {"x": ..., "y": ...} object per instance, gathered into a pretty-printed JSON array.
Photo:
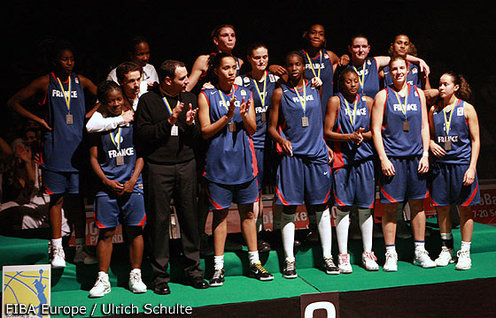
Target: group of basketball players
[{"x": 333, "y": 127}]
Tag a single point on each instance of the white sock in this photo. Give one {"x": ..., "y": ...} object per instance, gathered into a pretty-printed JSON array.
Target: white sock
[
  {"x": 446, "y": 236},
  {"x": 342, "y": 228},
  {"x": 391, "y": 249},
  {"x": 465, "y": 246},
  {"x": 366, "y": 222},
  {"x": 419, "y": 245},
  {"x": 219, "y": 262},
  {"x": 56, "y": 242},
  {"x": 325, "y": 231},
  {"x": 103, "y": 275},
  {"x": 136, "y": 270},
  {"x": 288, "y": 234},
  {"x": 253, "y": 257}
]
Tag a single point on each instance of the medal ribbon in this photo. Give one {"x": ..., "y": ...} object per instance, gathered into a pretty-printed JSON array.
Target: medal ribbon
[
  {"x": 116, "y": 139},
  {"x": 403, "y": 108},
  {"x": 262, "y": 95},
  {"x": 311, "y": 64},
  {"x": 304, "y": 102},
  {"x": 361, "y": 81},
  {"x": 446, "y": 121},
  {"x": 352, "y": 117},
  {"x": 67, "y": 97},
  {"x": 224, "y": 100}
]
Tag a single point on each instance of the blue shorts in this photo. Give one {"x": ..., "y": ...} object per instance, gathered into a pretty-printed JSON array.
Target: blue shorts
[
  {"x": 406, "y": 184},
  {"x": 60, "y": 182},
  {"x": 354, "y": 185},
  {"x": 302, "y": 180},
  {"x": 220, "y": 196},
  {"x": 111, "y": 211},
  {"x": 446, "y": 185}
]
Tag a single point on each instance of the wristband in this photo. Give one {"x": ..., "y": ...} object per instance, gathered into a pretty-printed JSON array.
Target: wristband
[{"x": 425, "y": 154}]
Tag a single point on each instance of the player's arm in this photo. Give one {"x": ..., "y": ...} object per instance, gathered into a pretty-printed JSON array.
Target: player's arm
[
  {"x": 425, "y": 135},
  {"x": 436, "y": 149},
  {"x": 377, "y": 118},
  {"x": 473, "y": 126},
  {"x": 247, "y": 112},
  {"x": 200, "y": 66},
  {"x": 15, "y": 102},
  {"x": 95, "y": 165},
  {"x": 370, "y": 103},
  {"x": 128, "y": 186},
  {"x": 208, "y": 128},
  {"x": 273, "y": 123}
]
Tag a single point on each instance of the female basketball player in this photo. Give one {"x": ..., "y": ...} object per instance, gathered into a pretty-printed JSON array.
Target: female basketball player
[
  {"x": 227, "y": 119},
  {"x": 455, "y": 144},
  {"x": 347, "y": 129},
  {"x": 303, "y": 174},
  {"x": 400, "y": 131}
]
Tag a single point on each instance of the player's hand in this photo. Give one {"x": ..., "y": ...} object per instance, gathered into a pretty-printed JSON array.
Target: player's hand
[
  {"x": 128, "y": 187},
  {"x": 423, "y": 166},
  {"x": 344, "y": 60},
  {"x": 244, "y": 108},
  {"x": 330, "y": 154},
  {"x": 232, "y": 108},
  {"x": 387, "y": 168},
  {"x": 44, "y": 124},
  {"x": 357, "y": 136},
  {"x": 287, "y": 147},
  {"x": 469, "y": 177},
  {"x": 176, "y": 111},
  {"x": 114, "y": 185},
  {"x": 277, "y": 70},
  {"x": 316, "y": 82},
  {"x": 436, "y": 149},
  {"x": 190, "y": 115}
]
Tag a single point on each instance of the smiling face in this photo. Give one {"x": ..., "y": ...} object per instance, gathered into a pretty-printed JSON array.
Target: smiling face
[
  {"x": 398, "y": 70},
  {"x": 225, "y": 39},
  {"x": 316, "y": 36},
  {"x": 259, "y": 58},
  {"x": 114, "y": 102},
  {"x": 359, "y": 48}
]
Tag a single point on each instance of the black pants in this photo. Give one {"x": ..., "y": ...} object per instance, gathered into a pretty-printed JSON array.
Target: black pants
[{"x": 163, "y": 183}]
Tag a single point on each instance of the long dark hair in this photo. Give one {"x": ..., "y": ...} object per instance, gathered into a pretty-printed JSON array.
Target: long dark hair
[{"x": 465, "y": 91}]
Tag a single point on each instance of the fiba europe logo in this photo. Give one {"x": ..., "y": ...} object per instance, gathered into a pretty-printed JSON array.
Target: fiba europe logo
[{"x": 25, "y": 290}]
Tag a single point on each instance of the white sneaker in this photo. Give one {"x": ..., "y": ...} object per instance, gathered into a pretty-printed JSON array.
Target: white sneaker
[
  {"x": 82, "y": 256},
  {"x": 369, "y": 261},
  {"x": 58, "y": 257},
  {"x": 136, "y": 285},
  {"x": 423, "y": 260},
  {"x": 447, "y": 256},
  {"x": 464, "y": 261},
  {"x": 344, "y": 264},
  {"x": 102, "y": 285},
  {"x": 391, "y": 263}
]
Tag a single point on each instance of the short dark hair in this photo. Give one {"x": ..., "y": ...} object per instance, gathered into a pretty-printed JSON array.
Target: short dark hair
[
  {"x": 103, "y": 89},
  {"x": 168, "y": 68},
  {"x": 125, "y": 68}
]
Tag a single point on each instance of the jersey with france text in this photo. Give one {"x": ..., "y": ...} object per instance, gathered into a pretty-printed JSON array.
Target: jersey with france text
[
  {"x": 117, "y": 157},
  {"x": 458, "y": 136},
  {"x": 412, "y": 77},
  {"x": 303, "y": 124},
  {"x": 66, "y": 111},
  {"x": 368, "y": 75},
  {"x": 350, "y": 118},
  {"x": 320, "y": 66},
  {"x": 401, "y": 130},
  {"x": 230, "y": 156},
  {"x": 262, "y": 95}
]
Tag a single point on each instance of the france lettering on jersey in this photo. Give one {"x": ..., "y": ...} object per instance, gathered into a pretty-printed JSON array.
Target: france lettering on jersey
[
  {"x": 306, "y": 141},
  {"x": 347, "y": 152},
  {"x": 230, "y": 156},
  {"x": 368, "y": 75},
  {"x": 412, "y": 77},
  {"x": 320, "y": 66},
  {"x": 397, "y": 142},
  {"x": 262, "y": 115},
  {"x": 458, "y": 136},
  {"x": 118, "y": 142},
  {"x": 60, "y": 143}
]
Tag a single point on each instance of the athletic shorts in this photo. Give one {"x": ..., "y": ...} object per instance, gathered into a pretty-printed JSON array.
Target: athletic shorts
[
  {"x": 221, "y": 196},
  {"x": 354, "y": 185},
  {"x": 406, "y": 184},
  {"x": 60, "y": 182},
  {"x": 300, "y": 180},
  {"x": 111, "y": 211},
  {"x": 446, "y": 185}
]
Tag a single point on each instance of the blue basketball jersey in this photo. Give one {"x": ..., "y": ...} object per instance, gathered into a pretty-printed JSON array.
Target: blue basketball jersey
[
  {"x": 320, "y": 66},
  {"x": 306, "y": 135},
  {"x": 114, "y": 144},
  {"x": 67, "y": 123},
  {"x": 397, "y": 141},
  {"x": 368, "y": 75},
  {"x": 350, "y": 118},
  {"x": 230, "y": 156},
  {"x": 412, "y": 77},
  {"x": 264, "y": 92},
  {"x": 458, "y": 135}
]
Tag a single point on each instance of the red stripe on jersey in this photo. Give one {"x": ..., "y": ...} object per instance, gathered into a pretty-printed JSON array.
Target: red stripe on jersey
[
  {"x": 467, "y": 203},
  {"x": 388, "y": 197},
  {"x": 281, "y": 198}
]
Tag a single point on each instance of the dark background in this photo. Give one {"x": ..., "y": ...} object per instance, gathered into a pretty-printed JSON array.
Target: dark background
[{"x": 449, "y": 35}]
